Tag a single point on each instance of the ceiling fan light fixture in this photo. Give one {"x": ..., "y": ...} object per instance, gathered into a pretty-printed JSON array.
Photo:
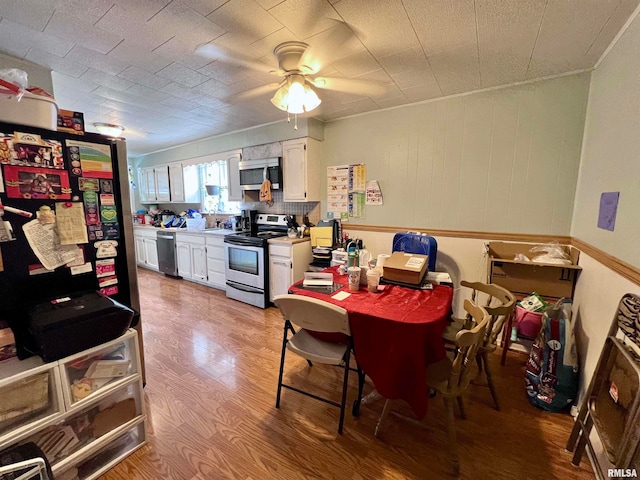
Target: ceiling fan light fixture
[
  {"x": 109, "y": 129},
  {"x": 280, "y": 97},
  {"x": 311, "y": 99},
  {"x": 296, "y": 96}
]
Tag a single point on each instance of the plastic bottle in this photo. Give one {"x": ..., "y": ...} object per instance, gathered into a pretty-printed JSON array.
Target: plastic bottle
[{"x": 352, "y": 255}]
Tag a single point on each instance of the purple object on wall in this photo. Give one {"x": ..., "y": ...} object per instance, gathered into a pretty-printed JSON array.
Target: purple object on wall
[{"x": 608, "y": 210}]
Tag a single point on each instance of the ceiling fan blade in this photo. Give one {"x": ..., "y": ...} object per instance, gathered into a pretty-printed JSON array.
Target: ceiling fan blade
[
  {"x": 324, "y": 48},
  {"x": 216, "y": 52},
  {"x": 253, "y": 92},
  {"x": 355, "y": 86}
]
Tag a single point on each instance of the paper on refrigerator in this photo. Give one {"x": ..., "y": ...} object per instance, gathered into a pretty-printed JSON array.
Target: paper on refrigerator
[
  {"x": 70, "y": 219},
  {"x": 45, "y": 243}
]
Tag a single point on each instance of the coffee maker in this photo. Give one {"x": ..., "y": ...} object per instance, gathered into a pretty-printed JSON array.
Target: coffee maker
[{"x": 249, "y": 220}]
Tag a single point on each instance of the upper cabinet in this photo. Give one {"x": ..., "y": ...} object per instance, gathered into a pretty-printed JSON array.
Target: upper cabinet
[
  {"x": 163, "y": 194},
  {"x": 176, "y": 182},
  {"x": 233, "y": 176},
  {"x": 301, "y": 170},
  {"x": 147, "y": 181},
  {"x": 170, "y": 183}
]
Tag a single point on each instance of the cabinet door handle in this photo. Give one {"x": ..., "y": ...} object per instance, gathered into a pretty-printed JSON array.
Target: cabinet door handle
[{"x": 282, "y": 263}]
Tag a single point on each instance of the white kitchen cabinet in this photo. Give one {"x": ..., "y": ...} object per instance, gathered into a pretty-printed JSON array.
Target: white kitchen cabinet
[
  {"x": 192, "y": 257},
  {"x": 147, "y": 181},
  {"x": 151, "y": 253},
  {"x": 146, "y": 247},
  {"x": 287, "y": 263},
  {"x": 183, "y": 250},
  {"x": 192, "y": 193},
  {"x": 233, "y": 177},
  {"x": 176, "y": 182},
  {"x": 301, "y": 170},
  {"x": 98, "y": 430},
  {"x": 215, "y": 261},
  {"x": 199, "y": 262},
  {"x": 140, "y": 253},
  {"x": 163, "y": 192}
]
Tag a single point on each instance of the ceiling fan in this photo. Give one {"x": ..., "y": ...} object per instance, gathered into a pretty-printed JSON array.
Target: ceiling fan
[{"x": 298, "y": 63}]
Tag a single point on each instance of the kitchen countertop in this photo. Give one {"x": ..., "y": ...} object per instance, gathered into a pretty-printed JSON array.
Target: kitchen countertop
[
  {"x": 289, "y": 241},
  {"x": 212, "y": 231}
]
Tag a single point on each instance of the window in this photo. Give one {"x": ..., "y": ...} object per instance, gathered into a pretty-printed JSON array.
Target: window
[{"x": 215, "y": 189}]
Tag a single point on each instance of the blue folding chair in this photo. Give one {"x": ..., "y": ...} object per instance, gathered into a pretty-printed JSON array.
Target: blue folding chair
[{"x": 416, "y": 243}]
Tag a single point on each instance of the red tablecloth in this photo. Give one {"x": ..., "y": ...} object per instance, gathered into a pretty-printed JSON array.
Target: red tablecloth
[{"x": 396, "y": 333}]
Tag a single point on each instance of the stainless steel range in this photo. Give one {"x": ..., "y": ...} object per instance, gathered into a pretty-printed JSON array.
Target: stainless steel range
[{"x": 247, "y": 259}]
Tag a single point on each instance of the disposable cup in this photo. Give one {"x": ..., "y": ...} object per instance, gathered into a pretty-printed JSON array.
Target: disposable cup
[
  {"x": 363, "y": 275},
  {"x": 354, "y": 278},
  {"x": 373, "y": 280}
]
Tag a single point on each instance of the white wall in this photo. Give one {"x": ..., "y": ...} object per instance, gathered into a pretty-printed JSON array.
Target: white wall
[
  {"x": 611, "y": 155},
  {"x": 610, "y": 163},
  {"x": 499, "y": 161},
  {"x": 597, "y": 295}
]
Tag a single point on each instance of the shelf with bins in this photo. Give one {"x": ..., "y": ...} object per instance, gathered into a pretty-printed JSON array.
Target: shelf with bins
[
  {"x": 81, "y": 430},
  {"x": 31, "y": 395}
]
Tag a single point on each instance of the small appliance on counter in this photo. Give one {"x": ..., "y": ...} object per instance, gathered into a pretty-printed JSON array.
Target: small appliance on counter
[{"x": 236, "y": 223}]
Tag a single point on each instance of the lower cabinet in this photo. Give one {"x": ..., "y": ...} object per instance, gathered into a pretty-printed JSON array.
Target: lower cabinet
[
  {"x": 287, "y": 264},
  {"x": 183, "y": 250},
  {"x": 192, "y": 257},
  {"x": 86, "y": 412},
  {"x": 146, "y": 247},
  {"x": 215, "y": 262}
]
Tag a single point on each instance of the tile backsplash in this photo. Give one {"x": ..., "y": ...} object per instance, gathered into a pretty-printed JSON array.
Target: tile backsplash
[
  {"x": 279, "y": 206},
  {"x": 299, "y": 209}
]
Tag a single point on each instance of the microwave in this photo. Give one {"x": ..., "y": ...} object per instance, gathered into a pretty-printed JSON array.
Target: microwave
[{"x": 254, "y": 172}]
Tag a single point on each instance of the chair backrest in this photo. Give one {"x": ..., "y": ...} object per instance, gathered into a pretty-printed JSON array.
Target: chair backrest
[
  {"x": 312, "y": 314},
  {"x": 416, "y": 243},
  {"x": 499, "y": 304},
  {"x": 467, "y": 343}
]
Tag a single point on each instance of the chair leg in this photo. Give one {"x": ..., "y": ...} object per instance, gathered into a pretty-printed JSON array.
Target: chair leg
[
  {"x": 487, "y": 372},
  {"x": 451, "y": 431},
  {"x": 463, "y": 415},
  {"x": 282, "y": 354},
  {"x": 344, "y": 389},
  {"x": 577, "y": 427},
  {"x": 383, "y": 415},
  {"x": 582, "y": 441},
  {"x": 356, "y": 405}
]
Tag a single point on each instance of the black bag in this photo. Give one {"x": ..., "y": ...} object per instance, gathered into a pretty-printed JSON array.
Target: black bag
[
  {"x": 20, "y": 453},
  {"x": 62, "y": 327}
]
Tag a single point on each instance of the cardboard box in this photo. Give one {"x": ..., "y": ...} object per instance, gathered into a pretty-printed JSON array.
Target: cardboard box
[
  {"x": 405, "y": 267},
  {"x": 546, "y": 279},
  {"x": 70, "y": 122}
]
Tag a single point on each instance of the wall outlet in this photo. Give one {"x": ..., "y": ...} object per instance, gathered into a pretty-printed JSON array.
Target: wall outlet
[{"x": 485, "y": 249}]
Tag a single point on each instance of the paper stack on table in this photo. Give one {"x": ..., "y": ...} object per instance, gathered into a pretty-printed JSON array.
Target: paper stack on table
[{"x": 317, "y": 279}]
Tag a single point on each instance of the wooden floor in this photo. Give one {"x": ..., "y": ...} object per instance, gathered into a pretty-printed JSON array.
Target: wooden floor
[{"x": 212, "y": 366}]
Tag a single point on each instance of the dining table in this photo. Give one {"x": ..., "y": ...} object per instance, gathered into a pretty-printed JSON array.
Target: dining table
[{"x": 396, "y": 332}]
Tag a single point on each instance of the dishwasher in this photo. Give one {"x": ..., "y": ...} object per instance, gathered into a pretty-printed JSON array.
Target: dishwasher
[{"x": 166, "y": 245}]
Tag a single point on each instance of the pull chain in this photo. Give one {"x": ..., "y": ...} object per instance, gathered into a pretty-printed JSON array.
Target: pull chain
[{"x": 295, "y": 120}]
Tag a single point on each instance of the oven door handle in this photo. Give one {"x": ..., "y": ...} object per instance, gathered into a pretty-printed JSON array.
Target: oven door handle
[{"x": 244, "y": 288}]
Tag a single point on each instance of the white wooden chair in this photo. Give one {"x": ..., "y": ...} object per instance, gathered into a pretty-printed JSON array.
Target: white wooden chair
[
  {"x": 450, "y": 378},
  {"x": 499, "y": 303}
]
